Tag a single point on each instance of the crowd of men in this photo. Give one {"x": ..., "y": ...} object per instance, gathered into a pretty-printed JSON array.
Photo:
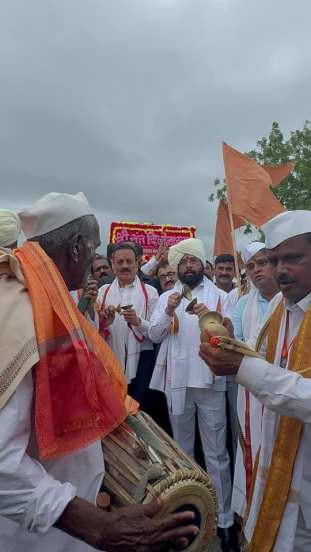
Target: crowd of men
[{"x": 244, "y": 418}]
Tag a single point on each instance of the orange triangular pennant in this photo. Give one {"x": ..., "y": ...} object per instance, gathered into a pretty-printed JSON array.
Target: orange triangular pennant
[{"x": 248, "y": 188}]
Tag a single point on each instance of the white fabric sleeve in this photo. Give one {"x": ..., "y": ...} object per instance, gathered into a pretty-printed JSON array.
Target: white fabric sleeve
[
  {"x": 153, "y": 298},
  {"x": 160, "y": 321},
  {"x": 228, "y": 301},
  {"x": 28, "y": 494},
  {"x": 283, "y": 391},
  {"x": 149, "y": 266}
]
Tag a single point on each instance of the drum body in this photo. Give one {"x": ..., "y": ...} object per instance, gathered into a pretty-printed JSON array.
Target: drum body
[{"x": 144, "y": 463}]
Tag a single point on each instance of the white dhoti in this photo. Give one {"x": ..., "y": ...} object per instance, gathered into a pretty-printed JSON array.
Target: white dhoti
[{"x": 210, "y": 407}]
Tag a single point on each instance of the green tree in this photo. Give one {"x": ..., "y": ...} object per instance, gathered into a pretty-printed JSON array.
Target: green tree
[{"x": 295, "y": 191}]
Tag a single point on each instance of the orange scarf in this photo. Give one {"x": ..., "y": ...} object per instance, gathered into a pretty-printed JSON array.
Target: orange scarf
[{"x": 80, "y": 389}]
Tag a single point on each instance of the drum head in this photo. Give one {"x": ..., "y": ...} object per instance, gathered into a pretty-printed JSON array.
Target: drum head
[{"x": 190, "y": 490}]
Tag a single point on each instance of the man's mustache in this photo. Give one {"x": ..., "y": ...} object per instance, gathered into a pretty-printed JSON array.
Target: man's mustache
[{"x": 283, "y": 280}]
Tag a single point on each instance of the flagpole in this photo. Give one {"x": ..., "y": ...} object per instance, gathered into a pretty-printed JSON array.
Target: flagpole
[{"x": 235, "y": 255}]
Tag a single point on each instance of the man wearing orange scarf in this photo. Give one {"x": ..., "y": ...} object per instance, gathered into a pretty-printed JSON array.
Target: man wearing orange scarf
[
  {"x": 61, "y": 390},
  {"x": 278, "y": 516}
]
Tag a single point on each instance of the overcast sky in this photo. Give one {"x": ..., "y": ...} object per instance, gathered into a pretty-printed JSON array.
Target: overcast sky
[{"x": 129, "y": 100}]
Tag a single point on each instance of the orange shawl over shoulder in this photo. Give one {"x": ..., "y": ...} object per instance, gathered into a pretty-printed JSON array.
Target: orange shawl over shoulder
[{"x": 80, "y": 389}]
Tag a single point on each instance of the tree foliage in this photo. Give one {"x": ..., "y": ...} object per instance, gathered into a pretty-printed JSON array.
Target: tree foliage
[{"x": 295, "y": 191}]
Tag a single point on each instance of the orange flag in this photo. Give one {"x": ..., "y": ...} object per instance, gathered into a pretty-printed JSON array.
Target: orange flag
[
  {"x": 279, "y": 173},
  {"x": 248, "y": 188},
  {"x": 223, "y": 236}
]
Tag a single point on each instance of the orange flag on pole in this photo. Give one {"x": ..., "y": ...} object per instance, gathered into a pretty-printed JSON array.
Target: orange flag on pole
[
  {"x": 279, "y": 173},
  {"x": 248, "y": 188},
  {"x": 223, "y": 236}
]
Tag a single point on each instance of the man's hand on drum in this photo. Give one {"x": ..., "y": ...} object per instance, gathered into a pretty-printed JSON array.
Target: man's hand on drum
[
  {"x": 172, "y": 303},
  {"x": 107, "y": 315},
  {"x": 137, "y": 529},
  {"x": 221, "y": 361}
]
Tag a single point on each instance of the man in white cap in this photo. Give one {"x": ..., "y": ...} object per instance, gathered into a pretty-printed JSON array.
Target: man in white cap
[
  {"x": 279, "y": 512},
  {"x": 10, "y": 228},
  {"x": 181, "y": 374},
  {"x": 61, "y": 391},
  {"x": 247, "y": 319}
]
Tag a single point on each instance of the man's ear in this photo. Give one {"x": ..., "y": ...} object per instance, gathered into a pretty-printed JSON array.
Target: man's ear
[{"x": 75, "y": 248}]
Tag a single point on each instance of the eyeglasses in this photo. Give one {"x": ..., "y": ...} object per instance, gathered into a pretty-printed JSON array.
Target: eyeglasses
[
  {"x": 189, "y": 260},
  {"x": 169, "y": 275}
]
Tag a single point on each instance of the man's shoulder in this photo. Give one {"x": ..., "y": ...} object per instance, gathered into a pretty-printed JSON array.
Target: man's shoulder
[
  {"x": 151, "y": 290},
  {"x": 210, "y": 285},
  {"x": 16, "y": 313},
  {"x": 102, "y": 290},
  {"x": 165, "y": 295}
]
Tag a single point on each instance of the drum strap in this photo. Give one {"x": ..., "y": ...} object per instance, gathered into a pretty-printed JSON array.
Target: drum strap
[{"x": 155, "y": 472}]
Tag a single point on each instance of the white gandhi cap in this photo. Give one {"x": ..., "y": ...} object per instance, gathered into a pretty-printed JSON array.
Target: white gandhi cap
[
  {"x": 53, "y": 211},
  {"x": 251, "y": 250},
  {"x": 286, "y": 225}
]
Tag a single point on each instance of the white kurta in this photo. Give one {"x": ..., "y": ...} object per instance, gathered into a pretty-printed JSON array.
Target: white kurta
[
  {"x": 247, "y": 319},
  {"x": 33, "y": 493},
  {"x": 122, "y": 339},
  {"x": 182, "y": 367},
  {"x": 286, "y": 393},
  {"x": 190, "y": 388},
  {"x": 150, "y": 266},
  {"x": 231, "y": 301}
]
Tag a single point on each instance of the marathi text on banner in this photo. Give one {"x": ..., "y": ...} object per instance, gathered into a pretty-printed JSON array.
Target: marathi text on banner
[{"x": 149, "y": 236}]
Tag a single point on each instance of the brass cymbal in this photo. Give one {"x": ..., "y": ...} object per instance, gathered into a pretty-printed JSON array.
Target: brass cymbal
[
  {"x": 189, "y": 307},
  {"x": 212, "y": 321}
]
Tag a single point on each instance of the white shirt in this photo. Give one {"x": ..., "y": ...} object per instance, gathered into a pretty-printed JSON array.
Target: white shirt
[
  {"x": 129, "y": 297},
  {"x": 186, "y": 367},
  {"x": 283, "y": 392},
  {"x": 34, "y": 493},
  {"x": 232, "y": 299}
]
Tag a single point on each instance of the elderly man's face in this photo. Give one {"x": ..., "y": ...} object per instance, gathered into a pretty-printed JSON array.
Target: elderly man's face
[
  {"x": 291, "y": 265},
  {"x": 190, "y": 271},
  {"x": 86, "y": 247},
  {"x": 260, "y": 273}
]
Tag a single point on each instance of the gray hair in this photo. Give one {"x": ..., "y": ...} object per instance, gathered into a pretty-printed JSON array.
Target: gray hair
[{"x": 56, "y": 239}]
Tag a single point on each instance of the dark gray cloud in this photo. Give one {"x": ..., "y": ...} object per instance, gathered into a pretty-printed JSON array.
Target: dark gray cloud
[{"x": 129, "y": 100}]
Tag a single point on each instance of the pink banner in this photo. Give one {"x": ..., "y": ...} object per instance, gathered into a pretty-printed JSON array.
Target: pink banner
[{"x": 149, "y": 236}]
